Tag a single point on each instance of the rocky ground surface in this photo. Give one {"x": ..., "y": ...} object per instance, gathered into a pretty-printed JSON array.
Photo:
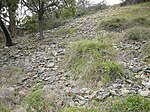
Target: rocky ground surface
[{"x": 43, "y": 65}]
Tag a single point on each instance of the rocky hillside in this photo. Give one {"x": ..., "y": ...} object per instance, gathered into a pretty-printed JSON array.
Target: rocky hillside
[{"x": 95, "y": 63}]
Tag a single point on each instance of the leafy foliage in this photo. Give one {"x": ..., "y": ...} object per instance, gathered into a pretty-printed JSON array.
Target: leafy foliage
[{"x": 31, "y": 23}]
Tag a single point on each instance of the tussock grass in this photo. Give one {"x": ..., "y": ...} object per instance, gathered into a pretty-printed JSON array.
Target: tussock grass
[
  {"x": 78, "y": 109},
  {"x": 93, "y": 61},
  {"x": 126, "y": 17},
  {"x": 138, "y": 34},
  {"x": 128, "y": 103},
  {"x": 10, "y": 75},
  {"x": 134, "y": 103},
  {"x": 35, "y": 100},
  {"x": 147, "y": 51}
]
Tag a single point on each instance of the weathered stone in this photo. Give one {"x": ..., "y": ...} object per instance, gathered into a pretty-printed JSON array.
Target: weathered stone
[
  {"x": 21, "y": 109},
  {"x": 146, "y": 84},
  {"x": 144, "y": 92},
  {"x": 51, "y": 65}
]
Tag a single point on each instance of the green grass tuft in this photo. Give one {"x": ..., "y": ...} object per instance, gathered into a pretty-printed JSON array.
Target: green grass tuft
[
  {"x": 35, "y": 100},
  {"x": 134, "y": 103},
  {"x": 65, "y": 31},
  {"x": 92, "y": 60},
  {"x": 77, "y": 109},
  {"x": 114, "y": 24},
  {"x": 138, "y": 34}
]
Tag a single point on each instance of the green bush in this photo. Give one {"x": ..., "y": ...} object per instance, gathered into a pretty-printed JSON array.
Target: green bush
[
  {"x": 132, "y": 103},
  {"x": 114, "y": 24},
  {"x": 138, "y": 34},
  {"x": 31, "y": 23}
]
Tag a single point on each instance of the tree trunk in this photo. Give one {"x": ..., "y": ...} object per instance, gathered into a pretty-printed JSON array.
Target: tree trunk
[
  {"x": 41, "y": 23},
  {"x": 7, "y": 34},
  {"x": 12, "y": 23}
]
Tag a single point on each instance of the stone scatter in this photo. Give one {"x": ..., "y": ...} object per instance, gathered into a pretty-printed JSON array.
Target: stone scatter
[{"x": 44, "y": 65}]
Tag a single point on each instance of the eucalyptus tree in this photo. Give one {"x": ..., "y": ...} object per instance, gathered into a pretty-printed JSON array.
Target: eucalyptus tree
[
  {"x": 39, "y": 8},
  {"x": 3, "y": 26}
]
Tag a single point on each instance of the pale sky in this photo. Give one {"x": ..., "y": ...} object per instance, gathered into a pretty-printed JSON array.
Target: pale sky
[{"x": 109, "y": 2}]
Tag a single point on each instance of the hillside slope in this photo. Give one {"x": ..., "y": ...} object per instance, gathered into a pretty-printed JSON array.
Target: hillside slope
[{"x": 98, "y": 62}]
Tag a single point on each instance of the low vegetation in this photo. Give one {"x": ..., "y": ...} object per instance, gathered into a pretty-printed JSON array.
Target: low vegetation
[
  {"x": 36, "y": 101},
  {"x": 147, "y": 52},
  {"x": 134, "y": 103},
  {"x": 65, "y": 31},
  {"x": 114, "y": 24},
  {"x": 126, "y": 17},
  {"x": 76, "y": 109},
  {"x": 138, "y": 34},
  {"x": 93, "y": 60},
  {"x": 10, "y": 75}
]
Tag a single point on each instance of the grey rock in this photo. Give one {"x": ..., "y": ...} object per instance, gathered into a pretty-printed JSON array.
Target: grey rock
[
  {"x": 136, "y": 69},
  {"x": 103, "y": 96},
  {"x": 54, "y": 53},
  {"x": 21, "y": 109},
  {"x": 146, "y": 84},
  {"x": 51, "y": 65},
  {"x": 144, "y": 92}
]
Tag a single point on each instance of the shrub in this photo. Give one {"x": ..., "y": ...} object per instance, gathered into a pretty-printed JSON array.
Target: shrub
[
  {"x": 114, "y": 24},
  {"x": 134, "y": 103},
  {"x": 31, "y": 23},
  {"x": 138, "y": 34}
]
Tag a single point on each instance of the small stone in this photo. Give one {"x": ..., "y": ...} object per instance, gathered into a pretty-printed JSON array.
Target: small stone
[
  {"x": 136, "y": 69},
  {"x": 22, "y": 93},
  {"x": 51, "y": 65},
  {"x": 21, "y": 109},
  {"x": 81, "y": 98},
  {"x": 146, "y": 84},
  {"x": 93, "y": 95},
  {"x": 124, "y": 91},
  {"x": 54, "y": 53},
  {"x": 145, "y": 92},
  {"x": 129, "y": 81},
  {"x": 117, "y": 86}
]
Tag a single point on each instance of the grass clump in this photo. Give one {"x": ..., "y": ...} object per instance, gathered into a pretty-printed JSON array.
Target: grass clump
[
  {"x": 144, "y": 21},
  {"x": 114, "y": 24},
  {"x": 92, "y": 60},
  {"x": 137, "y": 34},
  {"x": 10, "y": 75},
  {"x": 147, "y": 52},
  {"x": 3, "y": 108},
  {"x": 77, "y": 109},
  {"x": 36, "y": 101},
  {"x": 134, "y": 103},
  {"x": 65, "y": 31}
]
